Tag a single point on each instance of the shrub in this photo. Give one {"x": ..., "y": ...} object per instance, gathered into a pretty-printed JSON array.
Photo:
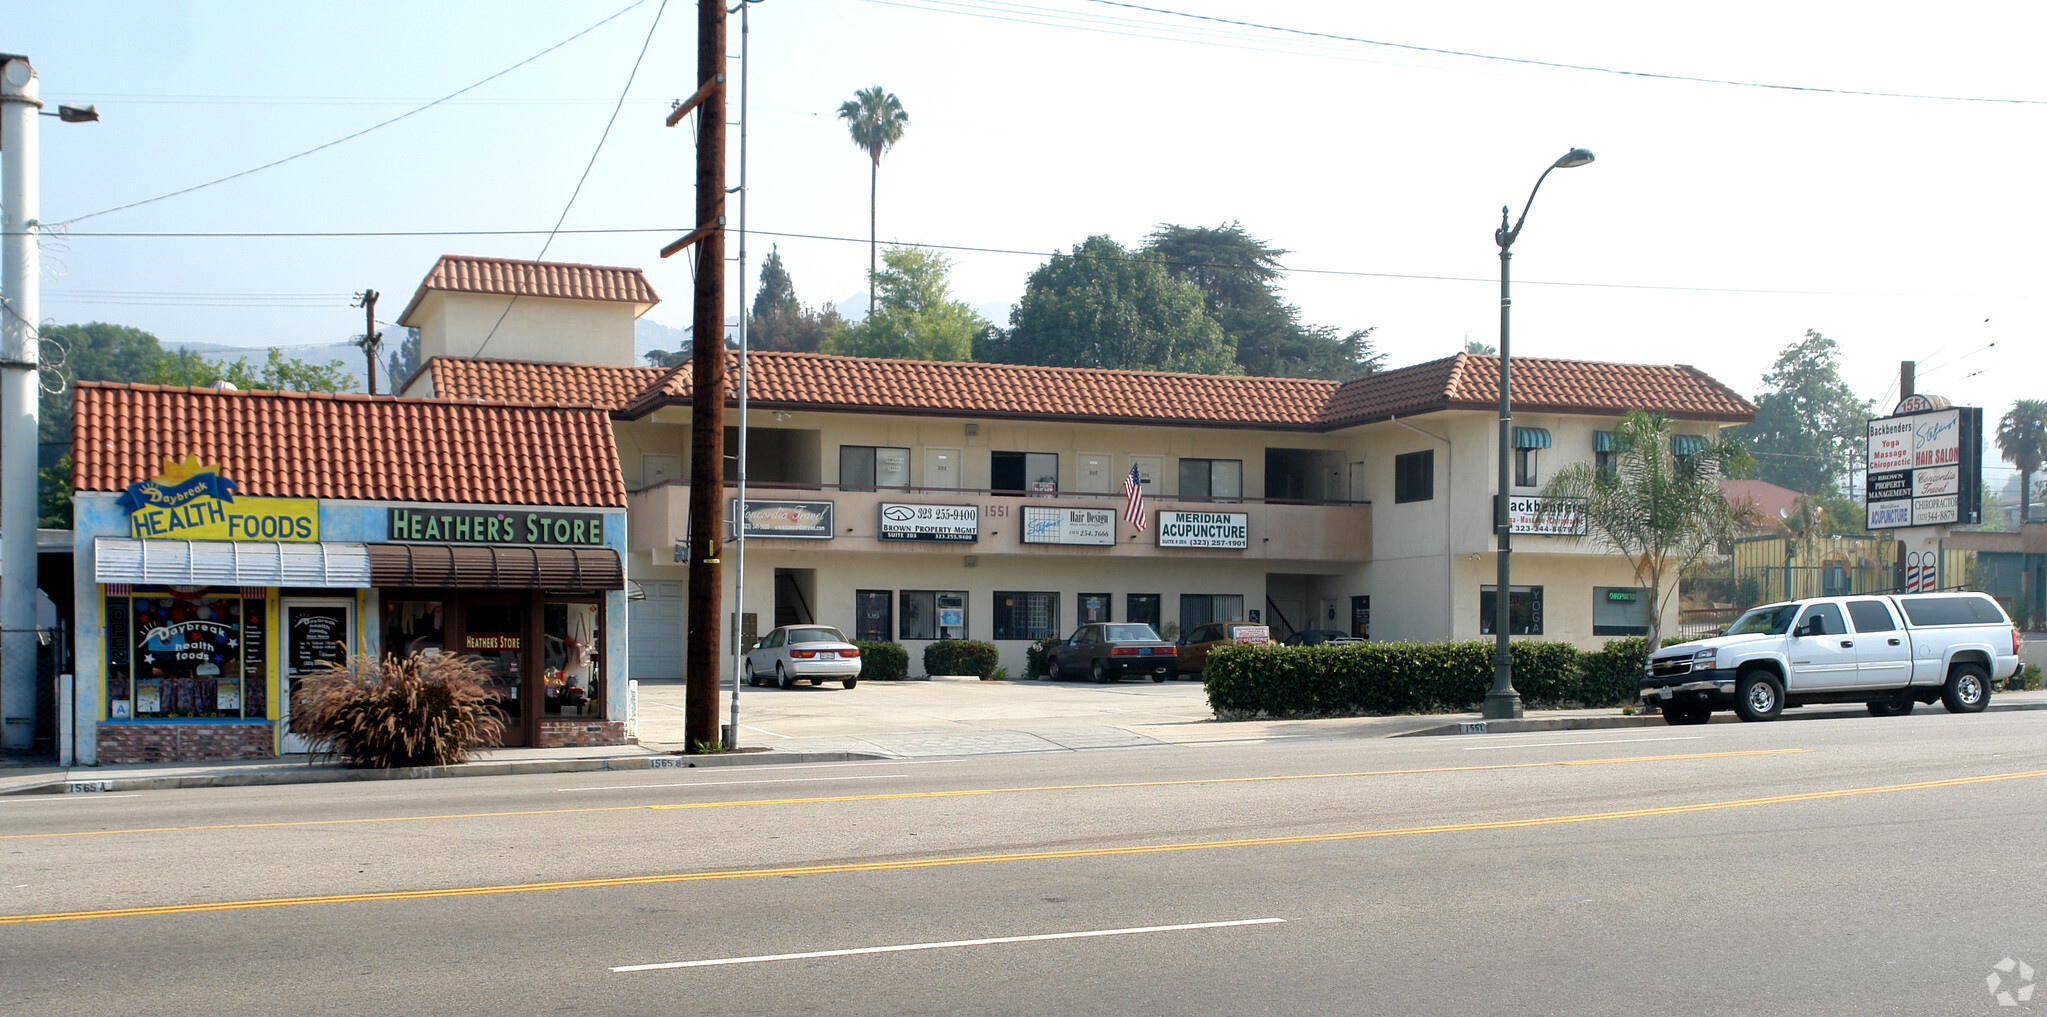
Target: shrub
[
  {"x": 2027, "y": 680},
  {"x": 1348, "y": 679},
  {"x": 1034, "y": 658},
  {"x": 1613, "y": 675},
  {"x": 961, "y": 656},
  {"x": 399, "y": 711},
  {"x": 883, "y": 661}
]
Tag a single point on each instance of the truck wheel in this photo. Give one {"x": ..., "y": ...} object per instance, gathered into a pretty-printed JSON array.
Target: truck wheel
[
  {"x": 1690, "y": 713},
  {"x": 1758, "y": 697},
  {"x": 1967, "y": 689},
  {"x": 1882, "y": 709}
]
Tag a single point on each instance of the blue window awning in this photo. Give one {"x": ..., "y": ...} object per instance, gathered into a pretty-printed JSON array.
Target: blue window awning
[
  {"x": 1602, "y": 441},
  {"x": 1531, "y": 437},
  {"x": 1687, "y": 444}
]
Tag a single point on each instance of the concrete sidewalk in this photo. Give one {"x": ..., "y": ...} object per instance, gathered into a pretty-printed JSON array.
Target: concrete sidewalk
[{"x": 831, "y": 748}]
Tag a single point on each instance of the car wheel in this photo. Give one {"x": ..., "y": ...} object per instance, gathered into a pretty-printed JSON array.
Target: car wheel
[
  {"x": 1758, "y": 697},
  {"x": 1967, "y": 689},
  {"x": 782, "y": 677},
  {"x": 1100, "y": 674},
  {"x": 1891, "y": 709},
  {"x": 850, "y": 682},
  {"x": 1157, "y": 676},
  {"x": 1052, "y": 672},
  {"x": 1686, "y": 714}
]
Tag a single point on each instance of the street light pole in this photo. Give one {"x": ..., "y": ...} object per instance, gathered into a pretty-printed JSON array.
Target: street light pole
[{"x": 1503, "y": 703}]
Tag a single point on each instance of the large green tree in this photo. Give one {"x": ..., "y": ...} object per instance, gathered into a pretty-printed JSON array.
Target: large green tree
[
  {"x": 1239, "y": 276},
  {"x": 404, "y": 360},
  {"x": 875, "y": 119},
  {"x": 277, "y": 373},
  {"x": 916, "y": 317},
  {"x": 2022, "y": 441},
  {"x": 1101, "y": 307},
  {"x": 779, "y": 321},
  {"x": 1809, "y": 425},
  {"x": 1663, "y": 512}
]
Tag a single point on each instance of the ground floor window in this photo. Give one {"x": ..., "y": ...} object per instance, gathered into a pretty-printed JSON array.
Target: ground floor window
[
  {"x": 1026, "y": 615},
  {"x": 873, "y": 616},
  {"x": 1361, "y": 617},
  {"x": 1524, "y": 610},
  {"x": 1142, "y": 607},
  {"x": 568, "y": 658},
  {"x": 1202, "y": 608},
  {"x": 1094, "y": 607},
  {"x": 1621, "y": 611},
  {"x": 934, "y": 614},
  {"x": 184, "y": 653}
]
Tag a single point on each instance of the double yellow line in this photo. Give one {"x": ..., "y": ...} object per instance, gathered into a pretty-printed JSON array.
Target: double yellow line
[{"x": 1020, "y": 856}]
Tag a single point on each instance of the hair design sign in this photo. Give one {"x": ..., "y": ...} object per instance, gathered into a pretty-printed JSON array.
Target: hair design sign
[
  {"x": 1068, "y": 526},
  {"x": 190, "y": 501}
]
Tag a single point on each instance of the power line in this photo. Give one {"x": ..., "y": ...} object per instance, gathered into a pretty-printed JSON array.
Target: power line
[
  {"x": 581, "y": 180},
  {"x": 1565, "y": 66},
  {"x": 969, "y": 248},
  {"x": 358, "y": 134}
]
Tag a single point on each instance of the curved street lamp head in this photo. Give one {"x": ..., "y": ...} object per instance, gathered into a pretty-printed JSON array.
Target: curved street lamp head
[{"x": 1573, "y": 158}]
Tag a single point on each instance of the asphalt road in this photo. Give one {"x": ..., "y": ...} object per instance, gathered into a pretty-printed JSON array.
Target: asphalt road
[{"x": 1848, "y": 866}]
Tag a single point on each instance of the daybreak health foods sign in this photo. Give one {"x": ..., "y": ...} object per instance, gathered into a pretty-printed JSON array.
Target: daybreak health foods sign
[
  {"x": 1204, "y": 529},
  {"x": 1924, "y": 467}
]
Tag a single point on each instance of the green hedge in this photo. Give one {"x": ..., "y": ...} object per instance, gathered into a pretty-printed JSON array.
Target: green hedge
[
  {"x": 961, "y": 656},
  {"x": 883, "y": 661},
  {"x": 1350, "y": 679}
]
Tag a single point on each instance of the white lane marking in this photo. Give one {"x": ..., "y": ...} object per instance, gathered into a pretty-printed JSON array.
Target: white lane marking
[
  {"x": 26, "y": 799},
  {"x": 722, "y": 783},
  {"x": 763, "y": 730},
  {"x": 677, "y": 709},
  {"x": 1606, "y": 741},
  {"x": 1097, "y": 933}
]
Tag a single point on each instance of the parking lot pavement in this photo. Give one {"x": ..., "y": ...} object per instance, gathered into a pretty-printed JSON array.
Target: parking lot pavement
[{"x": 951, "y": 717}]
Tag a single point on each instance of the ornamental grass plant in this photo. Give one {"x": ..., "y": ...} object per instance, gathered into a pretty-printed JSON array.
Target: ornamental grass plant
[{"x": 418, "y": 710}]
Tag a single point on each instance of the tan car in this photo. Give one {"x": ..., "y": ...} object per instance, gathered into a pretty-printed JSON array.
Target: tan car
[{"x": 1195, "y": 644}]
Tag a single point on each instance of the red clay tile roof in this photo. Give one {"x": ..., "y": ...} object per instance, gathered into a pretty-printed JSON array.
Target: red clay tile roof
[
  {"x": 481, "y": 379},
  {"x": 459, "y": 273},
  {"x": 1541, "y": 385},
  {"x": 347, "y": 447},
  {"x": 1465, "y": 381}
]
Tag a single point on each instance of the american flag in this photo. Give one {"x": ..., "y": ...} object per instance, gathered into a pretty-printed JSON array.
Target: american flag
[{"x": 1133, "y": 499}]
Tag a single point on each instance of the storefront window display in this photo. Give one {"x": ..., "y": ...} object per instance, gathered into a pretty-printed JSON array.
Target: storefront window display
[
  {"x": 568, "y": 658},
  {"x": 185, "y": 653}
]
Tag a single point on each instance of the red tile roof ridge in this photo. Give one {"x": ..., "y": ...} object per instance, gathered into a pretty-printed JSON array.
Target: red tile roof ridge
[
  {"x": 631, "y": 283},
  {"x": 359, "y": 397}
]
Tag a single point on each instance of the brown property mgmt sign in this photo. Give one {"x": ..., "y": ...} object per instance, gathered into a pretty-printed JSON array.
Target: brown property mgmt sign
[{"x": 497, "y": 526}]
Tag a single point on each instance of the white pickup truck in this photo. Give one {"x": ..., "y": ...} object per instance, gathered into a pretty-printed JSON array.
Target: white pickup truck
[{"x": 1891, "y": 652}]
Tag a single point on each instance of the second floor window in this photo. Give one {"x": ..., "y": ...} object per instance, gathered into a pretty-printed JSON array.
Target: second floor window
[
  {"x": 1524, "y": 467},
  {"x": 1218, "y": 479},
  {"x": 870, "y": 466},
  {"x": 1024, "y": 472},
  {"x": 1414, "y": 476}
]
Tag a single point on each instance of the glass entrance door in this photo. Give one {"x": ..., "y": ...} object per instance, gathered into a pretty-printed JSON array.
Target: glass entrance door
[
  {"x": 316, "y": 631},
  {"x": 495, "y": 630}
]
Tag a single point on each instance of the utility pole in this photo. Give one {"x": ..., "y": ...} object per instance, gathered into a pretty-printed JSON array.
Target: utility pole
[
  {"x": 702, "y": 615},
  {"x": 20, "y": 265},
  {"x": 371, "y": 338}
]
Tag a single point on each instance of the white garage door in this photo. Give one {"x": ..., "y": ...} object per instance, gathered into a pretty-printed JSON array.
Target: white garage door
[{"x": 655, "y": 627}]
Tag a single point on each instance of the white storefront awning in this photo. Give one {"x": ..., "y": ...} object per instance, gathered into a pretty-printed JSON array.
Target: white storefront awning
[{"x": 229, "y": 563}]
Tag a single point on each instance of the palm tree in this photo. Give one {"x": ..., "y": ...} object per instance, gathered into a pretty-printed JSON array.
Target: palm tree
[
  {"x": 1662, "y": 510},
  {"x": 875, "y": 119},
  {"x": 2022, "y": 438}
]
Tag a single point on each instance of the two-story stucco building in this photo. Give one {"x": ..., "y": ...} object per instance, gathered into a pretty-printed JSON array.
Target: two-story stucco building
[{"x": 913, "y": 500}]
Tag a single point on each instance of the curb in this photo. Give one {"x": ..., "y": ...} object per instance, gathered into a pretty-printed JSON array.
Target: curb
[
  {"x": 1524, "y": 724},
  {"x": 72, "y": 783}
]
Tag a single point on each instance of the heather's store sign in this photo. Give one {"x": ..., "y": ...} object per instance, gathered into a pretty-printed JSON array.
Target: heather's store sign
[
  {"x": 1204, "y": 529},
  {"x": 1552, "y": 516},
  {"x": 803, "y": 520},
  {"x": 188, "y": 501},
  {"x": 1924, "y": 468},
  {"x": 1068, "y": 526},
  {"x": 497, "y": 526},
  {"x": 948, "y": 523}
]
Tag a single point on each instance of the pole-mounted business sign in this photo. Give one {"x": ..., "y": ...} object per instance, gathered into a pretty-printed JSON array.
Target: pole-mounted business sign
[{"x": 1925, "y": 466}]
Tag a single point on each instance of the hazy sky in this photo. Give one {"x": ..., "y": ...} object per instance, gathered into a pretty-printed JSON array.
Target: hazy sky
[{"x": 1718, "y": 224}]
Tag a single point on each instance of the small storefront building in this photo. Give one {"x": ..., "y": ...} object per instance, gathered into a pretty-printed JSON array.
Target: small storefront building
[{"x": 227, "y": 544}]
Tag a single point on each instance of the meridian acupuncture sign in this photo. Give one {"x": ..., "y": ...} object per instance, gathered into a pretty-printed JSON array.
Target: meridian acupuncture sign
[
  {"x": 1204, "y": 529},
  {"x": 1925, "y": 468}
]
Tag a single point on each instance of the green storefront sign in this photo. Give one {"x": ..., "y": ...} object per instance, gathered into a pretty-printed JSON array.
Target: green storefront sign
[{"x": 497, "y": 526}]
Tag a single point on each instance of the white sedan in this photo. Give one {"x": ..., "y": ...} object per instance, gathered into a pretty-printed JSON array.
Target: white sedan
[{"x": 794, "y": 653}]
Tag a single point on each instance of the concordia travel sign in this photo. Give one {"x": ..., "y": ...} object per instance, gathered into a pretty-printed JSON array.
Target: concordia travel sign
[
  {"x": 1925, "y": 466},
  {"x": 1204, "y": 529}
]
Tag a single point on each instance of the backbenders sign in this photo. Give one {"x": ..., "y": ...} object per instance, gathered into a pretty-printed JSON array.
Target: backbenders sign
[{"x": 188, "y": 501}]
